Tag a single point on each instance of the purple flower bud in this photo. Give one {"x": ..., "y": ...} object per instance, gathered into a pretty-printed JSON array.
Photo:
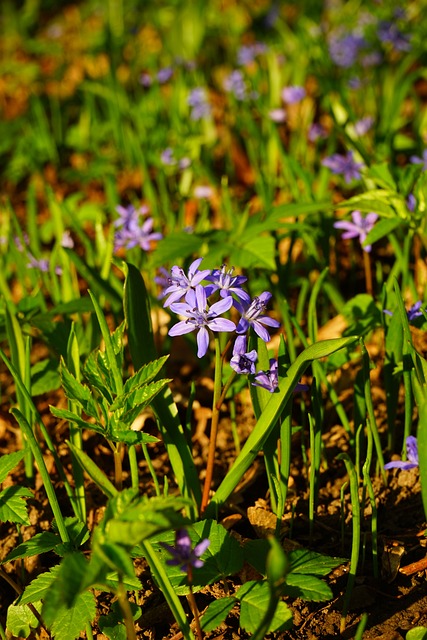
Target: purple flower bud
[
  {"x": 243, "y": 361},
  {"x": 182, "y": 553}
]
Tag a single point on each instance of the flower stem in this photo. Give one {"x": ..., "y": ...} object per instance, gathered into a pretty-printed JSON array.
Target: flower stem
[
  {"x": 195, "y": 611},
  {"x": 217, "y": 399},
  {"x": 368, "y": 272}
]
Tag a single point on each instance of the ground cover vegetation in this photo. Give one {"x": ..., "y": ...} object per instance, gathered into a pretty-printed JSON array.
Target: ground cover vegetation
[{"x": 213, "y": 314}]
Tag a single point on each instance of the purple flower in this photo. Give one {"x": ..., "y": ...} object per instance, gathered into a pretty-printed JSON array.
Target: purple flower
[
  {"x": 235, "y": 83},
  {"x": 413, "y": 312},
  {"x": 418, "y": 160},
  {"x": 412, "y": 452},
  {"x": 248, "y": 52},
  {"x": 343, "y": 164},
  {"x": 136, "y": 235},
  {"x": 183, "y": 555},
  {"x": 268, "y": 379},
  {"x": 164, "y": 74},
  {"x": 363, "y": 125},
  {"x": 200, "y": 317},
  {"x": 316, "y": 131},
  {"x": 344, "y": 50},
  {"x": 293, "y": 94},
  {"x": 180, "y": 284},
  {"x": 411, "y": 202},
  {"x": 129, "y": 216},
  {"x": 227, "y": 284},
  {"x": 167, "y": 158},
  {"x": 42, "y": 264},
  {"x": 358, "y": 228},
  {"x": 243, "y": 361},
  {"x": 198, "y": 101},
  {"x": 252, "y": 316},
  {"x": 146, "y": 80},
  {"x": 390, "y": 34}
]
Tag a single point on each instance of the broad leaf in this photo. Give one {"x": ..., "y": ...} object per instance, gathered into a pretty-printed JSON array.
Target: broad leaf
[
  {"x": 9, "y": 461},
  {"x": 144, "y": 375},
  {"x": 40, "y": 543},
  {"x": 222, "y": 558},
  {"x": 216, "y": 613},
  {"x": 21, "y": 620},
  {"x": 303, "y": 561},
  {"x": 254, "y": 597},
  {"x": 307, "y": 587},
  {"x": 38, "y": 588},
  {"x": 67, "y": 623},
  {"x": 12, "y": 504}
]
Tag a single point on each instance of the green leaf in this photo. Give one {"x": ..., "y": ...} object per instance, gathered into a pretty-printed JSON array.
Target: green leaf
[
  {"x": 176, "y": 246},
  {"x": 129, "y": 437},
  {"x": 377, "y": 200},
  {"x": 116, "y": 557},
  {"x": 381, "y": 174},
  {"x": 9, "y": 461},
  {"x": 144, "y": 375},
  {"x": 78, "y": 392},
  {"x": 254, "y": 598},
  {"x": 93, "y": 471},
  {"x": 257, "y": 251},
  {"x": 40, "y": 543},
  {"x": 112, "y": 624},
  {"x": 382, "y": 228},
  {"x": 303, "y": 561},
  {"x": 216, "y": 613},
  {"x": 271, "y": 414},
  {"x": 307, "y": 587},
  {"x": 21, "y": 620},
  {"x": 67, "y": 623},
  {"x": 417, "y": 633},
  {"x": 141, "y": 396},
  {"x": 38, "y": 588},
  {"x": 92, "y": 373},
  {"x": 64, "y": 414},
  {"x": 45, "y": 376},
  {"x": 223, "y": 557},
  {"x": 12, "y": 505}
]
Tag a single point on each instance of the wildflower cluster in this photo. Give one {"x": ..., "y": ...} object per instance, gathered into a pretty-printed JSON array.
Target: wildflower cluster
[
  {"x": 188, "y": 294},
  {"x": 132, "y": 230}
]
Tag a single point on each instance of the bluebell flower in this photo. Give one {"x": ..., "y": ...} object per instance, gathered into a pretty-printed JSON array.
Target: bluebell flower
[
  {"x": 411, "y": 202},
  {"x": 418, "y": 160},
  {"x": 252, "y": 316},
  {"x": 167, "y": 157},
  {"x": 415, "y": 311},
  {"x": 243, "y": 361},
  {"x": 268, "y": 379},
  {"x": 183, "y": 556},
  {"x": 363, "y": 125},
  {"x": 344, "y": 49},
  {"x": 198, "y": 101},
  {"x": 66, "y": 240},
  {"x": 235, "y": 83},
  {"x": 248, "y": 52},
  {"x": 180, "y": 284},
  {"x": 227, "y": 284},
  {"x": 146, "y": 80},
  {"x": 136, "y": 234},
  {"x": 344, "y": 165},
  {"x": 203, "y": 192},
  {"x": 42, "y": 263},
  {"x": 200, "y": 317},
  {"x": 389, "y": 33},
  {"x": 412, "y": 453},
  {"x": 164, "y": 74},
  {"x": 277, "y": 115},
  {"x": 358, "y": 228},
  {"x": 293, "y": 94}
]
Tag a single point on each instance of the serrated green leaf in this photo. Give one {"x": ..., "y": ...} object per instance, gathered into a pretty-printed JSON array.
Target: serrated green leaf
[
  {"x": 92, "y": 374},
  {"x": 223, "y": 557},
  {"x": 67, "y": 623},
  {"x": 382, "y": 175},
  {"x": 12, "y": 505},
  {"x": 40, "y": 543},
  {"x": 116, "y": 557},
  {"x": 130, "y": 437},
  {"x": 376, "y": 200},
  {"x": 254, "y": 597},
  {"x": 307, "y": 587},
  {"x": 303, "y": 561},
  {"x": 21, "y": 620},
  {"x": 78, "y": 392},
  {"x": 124, "y": 404},
  {"x": 216, "y": 613},
  {"x": 38, "y": 587},
  {"x": 176, "y": 246},
  {"x": 144, "y": 375},
  {"x": 8, "y": 462},
  {"x": 64, "y": 414}
]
